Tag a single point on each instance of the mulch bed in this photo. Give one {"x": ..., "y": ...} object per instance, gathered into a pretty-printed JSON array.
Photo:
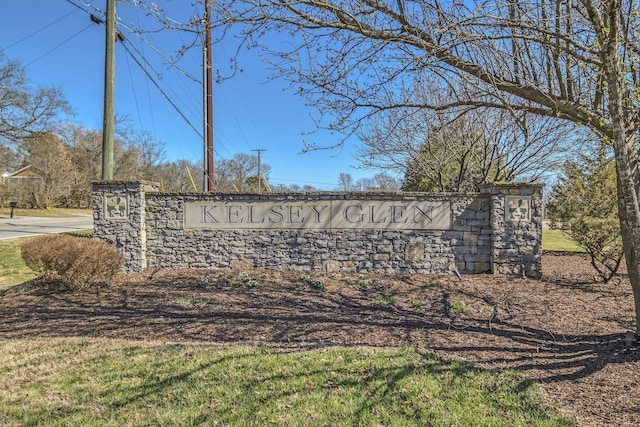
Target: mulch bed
[{"x": 566, "y": 331}]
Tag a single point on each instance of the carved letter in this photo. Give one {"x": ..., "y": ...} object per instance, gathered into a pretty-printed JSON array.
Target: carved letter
[
  {"x": 295, "y": 211},
  {"x": 207, "y": 215},
  {"x": 251, "y": 220},
  {"x": 318, "y": 212},
  {"x": 234, "y": 214},
  {"x": 358, "y": 217},
  {"x": 424, "y": 213},
  {"x": 276, "y": 215},
  {"x": 397, "y": 214},
  {"x": 372, "y": 218}
]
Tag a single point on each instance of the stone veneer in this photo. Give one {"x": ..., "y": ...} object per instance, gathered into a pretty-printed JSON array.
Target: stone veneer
[{"x": 497, "y": 230}]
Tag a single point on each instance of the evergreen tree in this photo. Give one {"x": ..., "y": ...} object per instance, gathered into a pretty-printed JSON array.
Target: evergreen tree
[{"x": 585, "y": 204}]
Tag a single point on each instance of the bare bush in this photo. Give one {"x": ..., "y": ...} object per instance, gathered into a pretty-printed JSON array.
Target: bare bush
[{"x": 78, "y": 262}]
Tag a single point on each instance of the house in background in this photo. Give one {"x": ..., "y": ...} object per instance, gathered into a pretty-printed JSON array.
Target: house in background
[
  {"x": 21, "y": 186},
  {"x": 27, "y": 172}
]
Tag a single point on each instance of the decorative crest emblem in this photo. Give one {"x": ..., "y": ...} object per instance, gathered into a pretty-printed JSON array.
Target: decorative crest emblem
[
  {"x": 517, "y": 208},
  {"x": 116, "y": 207}
]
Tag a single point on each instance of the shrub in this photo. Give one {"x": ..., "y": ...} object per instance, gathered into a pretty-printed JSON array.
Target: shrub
[
  {"x": 602, "y": 240},
  {"x": 585, "y": 202},
  {"x": 78, "y": 262}
]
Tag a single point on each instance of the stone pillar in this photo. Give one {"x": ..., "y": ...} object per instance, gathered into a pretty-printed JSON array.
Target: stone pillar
[
  {"x": 119, "y": 218},
  {"x": 516, "y": 221}
]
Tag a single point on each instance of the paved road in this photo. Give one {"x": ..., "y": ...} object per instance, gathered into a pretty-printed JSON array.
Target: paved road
[{"x": 32, "y": 226}]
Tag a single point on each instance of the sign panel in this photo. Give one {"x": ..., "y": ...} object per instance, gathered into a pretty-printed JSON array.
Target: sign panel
[
  {"x": 116, "y": 207},
  {"x": 321, "y": 214},
  {"x": 517, "y": 208}
]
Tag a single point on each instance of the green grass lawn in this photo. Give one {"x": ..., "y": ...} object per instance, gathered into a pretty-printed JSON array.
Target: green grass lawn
[
  {"x": 68, "y": 381},
  {"x": 12, "y": 268},
  {"x": 47, "y": 213},
  {"x": 557, "y": 240}
]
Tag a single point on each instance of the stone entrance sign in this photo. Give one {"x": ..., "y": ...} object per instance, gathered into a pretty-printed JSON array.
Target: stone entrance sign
[
  {"x": 497, "y": 230},
  {"x": 327, "y": 214}
]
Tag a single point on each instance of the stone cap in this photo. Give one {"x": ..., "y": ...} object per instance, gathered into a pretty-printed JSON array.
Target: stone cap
[
  {"x": 506, "y": 184},
  {"x": 126, "y": 182},
  {"x": 322, "y": 195}
]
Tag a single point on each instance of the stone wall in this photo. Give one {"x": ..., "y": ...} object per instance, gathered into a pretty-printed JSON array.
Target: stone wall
[{"x": 497, "y": 230}]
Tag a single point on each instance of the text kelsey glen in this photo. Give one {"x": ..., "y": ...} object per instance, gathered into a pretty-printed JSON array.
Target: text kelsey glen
[{"x": 336, "y": 214}]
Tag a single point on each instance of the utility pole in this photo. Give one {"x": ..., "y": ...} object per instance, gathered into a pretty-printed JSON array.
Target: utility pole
[
  {"x": 259, "y": 150},
  {"x": 109, "y": 93},
  {"x": 208, "y": 101}
]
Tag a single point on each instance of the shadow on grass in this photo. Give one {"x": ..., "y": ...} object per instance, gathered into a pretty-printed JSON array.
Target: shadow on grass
[{"x": 298, "y": 317}]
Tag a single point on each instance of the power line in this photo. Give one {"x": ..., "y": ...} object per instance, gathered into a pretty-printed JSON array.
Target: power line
[
  {"x": 59, "y": 45},
  {"x": 161, "y": 90},
  {"x": 74, "y": 4},
  {"x": 129, "y": 48},
  {"x": 138, "y": 33},
  {"x": 150, "y": 103},
  {"x": 121, "y": 38},
  {"x": 37, "y": 31},
  {"x": 124, "y": 45},
  {"x": 92, "y": 6},
  {"x": 144, "y": 69},
  {"x": 164, "y": 94},
  {"x": 133, "y": 91}
]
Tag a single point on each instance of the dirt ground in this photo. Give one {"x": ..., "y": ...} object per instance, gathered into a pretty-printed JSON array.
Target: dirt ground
[{"x": 566, "y": 331}]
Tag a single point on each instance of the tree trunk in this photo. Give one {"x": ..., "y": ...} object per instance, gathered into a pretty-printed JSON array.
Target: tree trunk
[
  {"x": 623, "y": 137},
  {"x": 628, "y": 207},
  {"x": 630, "y": 228},
  {"x": 631, "y": 244}
]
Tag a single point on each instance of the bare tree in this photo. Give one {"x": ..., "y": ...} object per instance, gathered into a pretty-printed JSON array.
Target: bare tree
[
  {"x": 9, "y": 160},
  {"x": 57, "y": 173},
  {"x": 240, "y": 173},
  {"x": 25, "y": 109},
  {"x": 136, "y": 156},
  {"x": 180, "y": 176},
  {"x": 576, "y": 61},
  {"x": 379, "y": 182},
  {"x": 386, "y": 182},
  {"x": 137, "y": 153},
  {"x": 345, "y": 182},
  {"x": 460, "y": 150},
  {"x": 365, "y": 184}
]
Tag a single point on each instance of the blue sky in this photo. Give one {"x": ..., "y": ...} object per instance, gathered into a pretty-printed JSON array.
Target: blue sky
[{"x": 58, "y": 44}]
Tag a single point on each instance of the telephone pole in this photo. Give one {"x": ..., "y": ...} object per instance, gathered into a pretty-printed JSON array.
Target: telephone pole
[
  {"x": 109, "y": 92},
  {"x": 259, "y": 150},
  {"x": 208, "y": 101}
]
